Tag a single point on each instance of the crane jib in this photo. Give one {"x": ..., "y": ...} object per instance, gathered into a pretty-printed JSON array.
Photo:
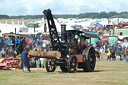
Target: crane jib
[{"x": 52, "y": 28}]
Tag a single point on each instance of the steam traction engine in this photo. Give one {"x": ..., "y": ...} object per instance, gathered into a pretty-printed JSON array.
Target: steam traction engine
[{"x": 75, "y": 52}]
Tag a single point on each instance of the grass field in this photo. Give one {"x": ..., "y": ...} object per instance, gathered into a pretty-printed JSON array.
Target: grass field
[{"x": 106, "y": 73}]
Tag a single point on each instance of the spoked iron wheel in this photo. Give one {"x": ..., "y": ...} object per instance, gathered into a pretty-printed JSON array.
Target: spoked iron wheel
[
  {"x": 10, "y": 51},
  {"x": 90, "y": 59},
  {"x": 50, "y": 65},
  {"x": 72, "y": 64}
]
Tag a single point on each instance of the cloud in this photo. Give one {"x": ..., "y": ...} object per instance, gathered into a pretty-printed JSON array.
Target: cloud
[
  {"x": 12, "y": 7},
  {"x": 33, "y": 7}
]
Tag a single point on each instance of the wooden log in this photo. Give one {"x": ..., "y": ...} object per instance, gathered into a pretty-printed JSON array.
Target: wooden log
[
  {"x": 45, "y": 54},
  {"x": 34, "y": 53},
  {"x": 53, "y": 54}
]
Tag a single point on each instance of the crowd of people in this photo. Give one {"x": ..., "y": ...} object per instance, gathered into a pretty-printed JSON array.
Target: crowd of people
[
  {"x": 33, "y": 43},
  {"x": 111, "y": 52}
]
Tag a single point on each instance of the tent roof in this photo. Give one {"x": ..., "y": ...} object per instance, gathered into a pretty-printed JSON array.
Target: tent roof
[{"x": 97, "y": 23}]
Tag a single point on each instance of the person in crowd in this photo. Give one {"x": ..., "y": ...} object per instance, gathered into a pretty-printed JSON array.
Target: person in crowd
[
  {"x": 1, "y": 43},
  {"x": 42, "y": 60},
  {"x": 122, "y": 56},
  {"x": 38, "y": 63},
  {"x": 124, "y": 51},
  {"x": 108, "y": 54},
  {"x": 116, "y": 50},
  {"x": 106, "y": 47},
  {"x": 32, "y": 45},
  {"x": 97, "y": 53},
  {"x": 3, "y": 52},
  {"x": 127, "y": 54},
  {"x": 38, "y": 42},
  {"x": 17, "y": 41},
  {"x": 8, "y": 42},
  {"x": 24, "y": 59},
  {"x": 33, "y": 62},
  {"x": 119, "y": 50},
  {"x": 101, "y": 52},
  {"x": 113, "y": 53}
]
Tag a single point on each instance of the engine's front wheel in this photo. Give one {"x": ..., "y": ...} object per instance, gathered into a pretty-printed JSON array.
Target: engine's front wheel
[{"x": 50, "y": 65}]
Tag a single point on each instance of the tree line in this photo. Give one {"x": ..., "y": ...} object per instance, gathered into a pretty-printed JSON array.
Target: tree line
[{"x": 111, "y": 14}]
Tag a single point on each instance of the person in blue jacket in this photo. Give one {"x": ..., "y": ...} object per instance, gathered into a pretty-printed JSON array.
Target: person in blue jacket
[
  {"x": 8, "y": 42},
  {"x": 24, "y": 60}
]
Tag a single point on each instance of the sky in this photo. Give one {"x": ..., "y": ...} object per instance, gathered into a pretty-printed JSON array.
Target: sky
[{"x": 36, "y": 7}]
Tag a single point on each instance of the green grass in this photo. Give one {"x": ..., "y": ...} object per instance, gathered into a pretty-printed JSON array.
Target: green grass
[{"x": 106, "y": 73}]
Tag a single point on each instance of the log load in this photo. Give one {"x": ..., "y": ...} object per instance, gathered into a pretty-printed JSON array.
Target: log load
[{"x": 45, "y": 54}]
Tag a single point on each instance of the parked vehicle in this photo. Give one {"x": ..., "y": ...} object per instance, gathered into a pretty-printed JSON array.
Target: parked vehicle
[
  {"x": 112, "y": 40},
  {"x": 105, "y": 37}
]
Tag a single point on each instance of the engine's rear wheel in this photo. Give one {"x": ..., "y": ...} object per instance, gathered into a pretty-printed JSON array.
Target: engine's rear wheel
[
  {"x": 72, "y": 64},
  {"x": 90, "y": 60}
]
